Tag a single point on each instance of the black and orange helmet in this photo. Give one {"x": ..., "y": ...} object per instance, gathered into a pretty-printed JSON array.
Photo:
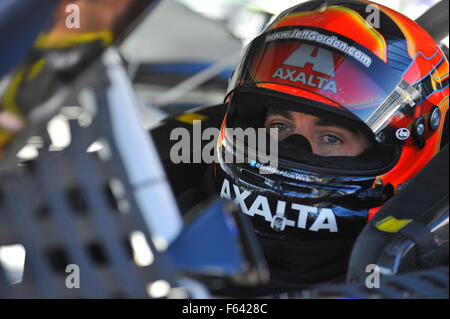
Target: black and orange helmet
[{"x": 389, "y": 79}]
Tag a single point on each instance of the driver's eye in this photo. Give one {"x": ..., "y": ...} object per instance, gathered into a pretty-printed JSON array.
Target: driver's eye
[
  {"x": 280, "y": 126},
  {"x": 331, "y": 139}
]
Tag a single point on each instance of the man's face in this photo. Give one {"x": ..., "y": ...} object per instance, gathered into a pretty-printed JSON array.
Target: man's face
[{"x": 326, "y": 138}]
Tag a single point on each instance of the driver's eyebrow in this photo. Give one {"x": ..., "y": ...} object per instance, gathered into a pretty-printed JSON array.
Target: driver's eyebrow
[
  {"x": 283, "y": 113},
  {"x": 324, "y": 123}
]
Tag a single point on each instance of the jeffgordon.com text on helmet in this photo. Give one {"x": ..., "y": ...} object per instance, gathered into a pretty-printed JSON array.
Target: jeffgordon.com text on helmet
[{"x": 257, "y": 149}]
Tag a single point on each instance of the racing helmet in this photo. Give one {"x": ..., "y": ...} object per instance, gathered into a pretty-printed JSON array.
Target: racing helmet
[{"x": 385, "y": 77}]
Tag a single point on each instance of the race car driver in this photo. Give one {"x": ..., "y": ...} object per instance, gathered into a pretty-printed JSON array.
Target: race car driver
[{"x": 359, "y": 110}]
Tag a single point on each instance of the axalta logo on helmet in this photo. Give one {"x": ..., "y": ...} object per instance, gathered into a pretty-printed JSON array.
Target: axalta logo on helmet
[
  {"x": 324, "y": 219},
  {"x": 402, "y": 133},
  {"x": 322, "y": 62},
  {"x": 313, "y": 81}
]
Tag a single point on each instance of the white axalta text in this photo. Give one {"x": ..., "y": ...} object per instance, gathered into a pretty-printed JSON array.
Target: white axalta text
[{"x": 324, "y": 217}]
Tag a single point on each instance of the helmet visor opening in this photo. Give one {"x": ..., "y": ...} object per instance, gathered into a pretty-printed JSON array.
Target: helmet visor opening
[{"x": 252, "y": 110}]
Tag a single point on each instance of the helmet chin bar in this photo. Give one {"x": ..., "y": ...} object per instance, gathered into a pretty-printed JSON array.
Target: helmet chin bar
[{"x": 326, "y": 185}]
